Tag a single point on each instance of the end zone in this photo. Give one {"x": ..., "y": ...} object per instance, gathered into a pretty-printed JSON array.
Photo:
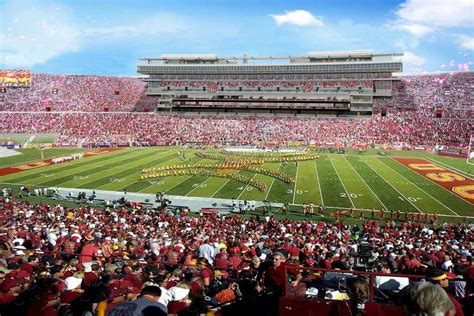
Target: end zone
[
  {"x": 48, "y": 162},
  {"x": 450, "y": 180}
]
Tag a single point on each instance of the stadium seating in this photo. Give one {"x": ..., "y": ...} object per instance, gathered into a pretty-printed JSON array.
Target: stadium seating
[
  {"x": 425, "y": 110},
  {"x": 50, "y": 253},
  {"x": 115, "y": 252},
  {"x": 79, "y": 128},
  {"x": 75, "y": 93}
]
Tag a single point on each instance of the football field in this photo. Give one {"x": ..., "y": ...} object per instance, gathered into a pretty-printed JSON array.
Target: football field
[{"x": 425, "y": 183}]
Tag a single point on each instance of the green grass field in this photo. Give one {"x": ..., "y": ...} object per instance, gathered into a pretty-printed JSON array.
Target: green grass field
[{"x": 336, "y": 181}]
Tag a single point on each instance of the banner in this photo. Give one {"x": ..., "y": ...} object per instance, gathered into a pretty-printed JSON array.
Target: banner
[{"x": 15, "y": 78}]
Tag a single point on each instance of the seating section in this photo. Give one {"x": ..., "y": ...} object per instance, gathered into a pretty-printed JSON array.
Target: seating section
[{"x": 79, "y": 128}]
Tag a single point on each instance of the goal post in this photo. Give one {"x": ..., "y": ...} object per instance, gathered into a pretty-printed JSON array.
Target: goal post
[{"x": 470, "y": 151}]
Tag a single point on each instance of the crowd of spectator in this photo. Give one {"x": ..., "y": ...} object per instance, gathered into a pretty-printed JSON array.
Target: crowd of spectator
[
  {"x": 411, "y": 114},
  {"x": 426, "y": 94},
  {"x": 54, "y": 258},
  {"x": 75, "y": 93},
  {"x": 94, "y": 128}
]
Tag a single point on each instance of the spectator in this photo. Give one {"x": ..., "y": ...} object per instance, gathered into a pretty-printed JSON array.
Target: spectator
[
  {"x": 148, "y": 298},
  {"x": 426, "y": 299}
]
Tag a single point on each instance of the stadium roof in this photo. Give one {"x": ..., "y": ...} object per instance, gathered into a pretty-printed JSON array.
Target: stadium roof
[{"x": 314, "y": 54}]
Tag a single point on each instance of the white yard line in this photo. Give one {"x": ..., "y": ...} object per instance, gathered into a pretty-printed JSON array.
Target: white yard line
[
  {"x": 366, "y": 183},
  {"x": 425, "y": 191},
  {"x": 464, "y": 173},
  {"x": 348, "y": 194},
  {"x": 220, "y": 188},
  {"x": 271, "y": 185},
  {"x": 296, "y": 181},
  {"x": 198, "y": 186},
  {"x": 179, "y": 183},
  {"x": 368, "y": 165},
  {"x": 245, "y": 188},
  {"x": 319, "y": 183}
]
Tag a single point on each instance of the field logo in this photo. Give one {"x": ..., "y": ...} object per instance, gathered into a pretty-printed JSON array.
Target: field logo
[
  {"x": 48, "y": 162},
  {"x": 452, "y": 181}
]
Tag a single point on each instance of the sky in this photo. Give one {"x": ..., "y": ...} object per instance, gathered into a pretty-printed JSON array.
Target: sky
[{"x": 109, "y": 37}]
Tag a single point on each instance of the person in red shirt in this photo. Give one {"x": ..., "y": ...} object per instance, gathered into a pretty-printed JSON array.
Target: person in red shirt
[
  {"x": 274, "y": 275},
  {"x": 73, "y": 289},
  {"x": 31, "y": 264},
  {"x": 206, "y": 273},
  {"x": 89, "y": 252},
  {"x": 222, "y": 261}
]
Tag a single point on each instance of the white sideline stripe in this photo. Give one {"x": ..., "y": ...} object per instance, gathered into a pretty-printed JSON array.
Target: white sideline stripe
[
  {"x": 368, "y": 165},
  {"x": 378, "y": 211},
  {"x": 422, "y": 189},
  {"x": 464, "y": 173},
  {"x": 383, "y": 204},
  {"x": 348, "y": 194}
]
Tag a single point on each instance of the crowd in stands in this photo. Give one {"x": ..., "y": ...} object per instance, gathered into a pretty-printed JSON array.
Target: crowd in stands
[
  {"x": 425, "y": 94},
  {"x": 54, "y": 258},
  {"x": 80, "y": 128},
  {"x": 75, "y": 93},
  {"x": 411, "y": 114}
]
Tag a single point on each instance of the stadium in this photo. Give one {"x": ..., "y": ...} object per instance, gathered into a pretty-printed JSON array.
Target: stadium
[{"x": 320, "y": 183}]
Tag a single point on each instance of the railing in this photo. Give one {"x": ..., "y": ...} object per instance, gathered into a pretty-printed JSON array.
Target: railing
[{"x": 371, "y": 276}]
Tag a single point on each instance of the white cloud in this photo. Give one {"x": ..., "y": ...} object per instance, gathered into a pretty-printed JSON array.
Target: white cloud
[
  {"x": 467, "y": 42},
  {"x": 418, "y": 30},
  {"x": 411, "y": 59},
  {"x": 420, "y": 17},
  {"x": 297, "y": 17},
  {"x": 38, "y": 34},
  {"x": 438, "y": 13}
]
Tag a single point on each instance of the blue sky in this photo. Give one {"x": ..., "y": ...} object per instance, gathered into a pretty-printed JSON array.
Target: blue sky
[{"x": 108, "y": 37}]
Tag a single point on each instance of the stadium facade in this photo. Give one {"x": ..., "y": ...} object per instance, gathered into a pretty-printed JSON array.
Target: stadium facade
[{"x": 331, "y": 83}]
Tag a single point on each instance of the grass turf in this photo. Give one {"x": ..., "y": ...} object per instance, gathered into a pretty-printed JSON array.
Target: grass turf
[{"x": 336, "y": 181}]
